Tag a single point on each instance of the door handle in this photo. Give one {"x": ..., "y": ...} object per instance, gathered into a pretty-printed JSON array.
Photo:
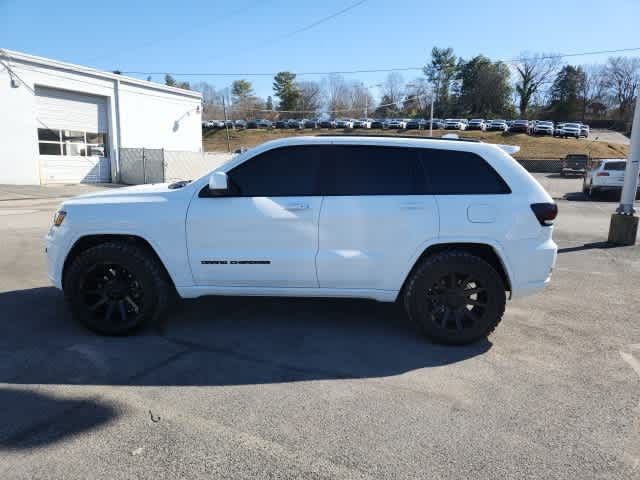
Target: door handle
[
  {"x": 412, "y": 206},
  {"x": 294, "y": 207}
]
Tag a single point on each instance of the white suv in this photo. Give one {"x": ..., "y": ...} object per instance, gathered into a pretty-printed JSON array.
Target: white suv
[
  {"x": 604, "y": 176},
  {"x": 444, "y": 226}
]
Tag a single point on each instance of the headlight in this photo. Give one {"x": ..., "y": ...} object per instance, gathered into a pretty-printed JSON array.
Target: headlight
[{"x": 59, "y": 217}]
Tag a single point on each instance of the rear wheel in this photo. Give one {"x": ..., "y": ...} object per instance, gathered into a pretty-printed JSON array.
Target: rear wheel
[
  {"x": 115, "y": 288},
  {"x": 455, "y": 298}
]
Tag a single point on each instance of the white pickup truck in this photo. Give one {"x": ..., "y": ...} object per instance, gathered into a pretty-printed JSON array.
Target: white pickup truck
[{"x": 446, "y": 227}]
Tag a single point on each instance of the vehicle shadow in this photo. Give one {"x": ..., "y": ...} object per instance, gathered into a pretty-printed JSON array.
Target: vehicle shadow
[
  {"x": 217, "y": 341},
  {"x": 31, "y": 419},
  {"x": 600, "y": 197},
  {"x": 589, "y": 246}
]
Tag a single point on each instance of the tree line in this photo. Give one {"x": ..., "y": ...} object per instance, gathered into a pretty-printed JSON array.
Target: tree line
[{"x": 535, "y": 85}]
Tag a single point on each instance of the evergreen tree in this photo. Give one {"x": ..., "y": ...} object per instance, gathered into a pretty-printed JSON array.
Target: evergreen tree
[{"x": 285, "y": 88}]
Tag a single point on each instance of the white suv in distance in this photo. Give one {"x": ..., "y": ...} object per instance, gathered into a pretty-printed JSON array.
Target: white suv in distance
[
  {"x": 543, "y": 127},
  {"x": 571, "y": 130},
  {"x": 603, "y": 176},
  {"x": 446, "y": 227},
  {"x": 455, "y": 124}
]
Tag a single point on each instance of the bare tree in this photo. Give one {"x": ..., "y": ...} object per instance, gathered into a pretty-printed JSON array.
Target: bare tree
[
  {"x": 393, "y": 88},
  {"x": 337, "y": 94},
  {"x": 623, "y": 78},
  {"x": 310, "y": 98},
  {"x": 361, "y": 100},
  {"x": 594, "y": 91},
  {"x": 418, "y": 97},
  {"x": 211, "y": 101},
  {"x": 533, "y": 71}
]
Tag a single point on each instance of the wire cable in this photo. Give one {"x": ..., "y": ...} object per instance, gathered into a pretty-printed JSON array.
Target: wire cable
[{"x": 370, "y": 70}]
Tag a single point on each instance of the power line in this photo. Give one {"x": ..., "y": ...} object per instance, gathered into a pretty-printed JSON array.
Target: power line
[
  {"x": 152, "y": 42},
  {"x": 370, "y": 70},
  {"x": 299, "y": 30}
]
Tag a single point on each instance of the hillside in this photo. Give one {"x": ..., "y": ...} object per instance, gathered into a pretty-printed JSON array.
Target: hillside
[{"x": 530, "y": 147}]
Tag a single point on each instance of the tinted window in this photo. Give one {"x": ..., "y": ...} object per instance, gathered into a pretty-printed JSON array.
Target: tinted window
[
  {"x": 615, "y": 166},
  {"x": 282, "y": 172},
  {"x": 450, "y": 172},
  {"x": 372, "y": 170}
]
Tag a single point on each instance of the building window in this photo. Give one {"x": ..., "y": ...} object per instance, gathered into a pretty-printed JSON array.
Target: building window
[{"x": 72, "y": 143}]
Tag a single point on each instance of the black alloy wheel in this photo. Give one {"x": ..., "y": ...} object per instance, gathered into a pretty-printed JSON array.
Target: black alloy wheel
[
  {"x": 113, "y": 295},
  {"x": 455, "y": 297}
]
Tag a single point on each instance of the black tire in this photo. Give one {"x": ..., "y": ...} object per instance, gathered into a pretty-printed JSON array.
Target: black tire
[
  {"x": 116, "y": 287},
  {"x": 436, "y": 287}
]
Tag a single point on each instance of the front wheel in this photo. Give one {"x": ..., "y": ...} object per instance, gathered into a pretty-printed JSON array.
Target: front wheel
[
  {"x": 114, "y": 288},
  {"x": 455, "y": 298}
]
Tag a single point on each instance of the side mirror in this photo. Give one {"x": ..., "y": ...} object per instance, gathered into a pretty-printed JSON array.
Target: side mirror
[{"x": 218, "y": 182}]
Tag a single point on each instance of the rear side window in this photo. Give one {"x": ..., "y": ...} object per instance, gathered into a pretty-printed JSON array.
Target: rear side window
[
  {"x": 372, "y": 170},
  {"x": 617, "y": 166},
  {"x": 281, "y": 172},
  {"x": 450, "y": 172}
]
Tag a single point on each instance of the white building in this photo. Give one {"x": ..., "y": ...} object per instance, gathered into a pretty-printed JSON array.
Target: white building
[{"x": 63, "y": 123}]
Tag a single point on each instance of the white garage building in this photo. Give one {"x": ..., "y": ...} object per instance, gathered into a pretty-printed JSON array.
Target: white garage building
[{"x": 63, "y": 123}]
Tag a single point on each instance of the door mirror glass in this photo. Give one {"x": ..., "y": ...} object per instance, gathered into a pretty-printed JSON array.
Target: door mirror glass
[{"x": 218, "y": 182}]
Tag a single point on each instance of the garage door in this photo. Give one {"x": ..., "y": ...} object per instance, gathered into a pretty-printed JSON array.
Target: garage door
[{"x": 73, "y": 136}]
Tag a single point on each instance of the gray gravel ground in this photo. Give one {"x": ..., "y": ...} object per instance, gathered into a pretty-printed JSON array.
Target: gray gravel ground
[{"x": 285, "y": 388}]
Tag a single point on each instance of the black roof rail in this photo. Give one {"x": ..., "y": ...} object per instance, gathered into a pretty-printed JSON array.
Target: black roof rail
[{"x": 365, "y": 135}]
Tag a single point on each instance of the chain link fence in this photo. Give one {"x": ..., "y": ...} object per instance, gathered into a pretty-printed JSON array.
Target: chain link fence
[
  {"x": 141, "y": 165},
  {"x": 542, "y": 166},
  {"x": 147, "y": 165}
]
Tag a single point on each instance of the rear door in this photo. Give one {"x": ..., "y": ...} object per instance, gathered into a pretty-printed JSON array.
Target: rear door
[
  {"x": 375, "y": 216},
  {"x": 264, "y": 232},
  {"x": 473, "y": 199}
]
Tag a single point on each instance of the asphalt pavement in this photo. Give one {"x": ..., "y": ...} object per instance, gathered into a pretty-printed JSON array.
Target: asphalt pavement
[{"x": 317, "y": 388}]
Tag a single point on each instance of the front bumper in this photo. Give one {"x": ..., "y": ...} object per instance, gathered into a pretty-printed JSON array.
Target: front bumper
[{"x": 54, "y": 252}]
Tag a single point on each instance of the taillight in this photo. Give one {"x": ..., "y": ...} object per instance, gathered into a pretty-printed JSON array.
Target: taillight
[
  {"x": 545, "y": 213},
  {"x": 603, "y": 174}
]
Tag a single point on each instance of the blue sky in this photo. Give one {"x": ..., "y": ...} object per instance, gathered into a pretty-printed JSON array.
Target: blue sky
[{"x": 217, "y": 36}]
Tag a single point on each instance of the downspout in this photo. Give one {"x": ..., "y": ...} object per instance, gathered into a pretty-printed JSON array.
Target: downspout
[{"x": 117, "y": 137}]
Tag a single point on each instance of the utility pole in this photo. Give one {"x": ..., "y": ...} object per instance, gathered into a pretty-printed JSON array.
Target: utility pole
[
  {"x": 226, "y": 125},
  {"x": 623, "y": 228}
]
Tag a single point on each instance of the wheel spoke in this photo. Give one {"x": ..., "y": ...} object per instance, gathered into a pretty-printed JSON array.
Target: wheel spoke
[
  {"x": 94, "y": 291},
  {"x": 446, "y": 317},
  {"x": 471, "y": 291},
  {"x": 458, "y": 317},
  {"x": 123, "y": 311},
  {"x": 98, "y": 304},
  {"x": 133, "y": 304},
  {"x": 472, "y": 315},
  {"x": 109, "y": 311},
  {"x": 475, "y": 303}
]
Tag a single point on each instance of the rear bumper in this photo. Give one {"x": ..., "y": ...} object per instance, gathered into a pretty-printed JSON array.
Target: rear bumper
[{"x": 531, "y": 272}]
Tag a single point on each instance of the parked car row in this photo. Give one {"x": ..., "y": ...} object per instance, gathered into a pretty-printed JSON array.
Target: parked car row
[{"x": 531, "y": 127}]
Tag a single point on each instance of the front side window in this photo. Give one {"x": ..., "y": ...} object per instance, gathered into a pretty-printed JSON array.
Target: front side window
[
  {"x": 281, "y": 172},
  {"x": 451, "y": 172},
  {"x": 372, "y": 170}
]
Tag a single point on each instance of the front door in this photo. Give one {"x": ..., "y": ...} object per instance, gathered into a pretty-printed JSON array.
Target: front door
[{"x": 264, "y": 233}]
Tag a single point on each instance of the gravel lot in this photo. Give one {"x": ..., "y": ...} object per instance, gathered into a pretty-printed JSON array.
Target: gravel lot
[{"x": 276, "y": 388}]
